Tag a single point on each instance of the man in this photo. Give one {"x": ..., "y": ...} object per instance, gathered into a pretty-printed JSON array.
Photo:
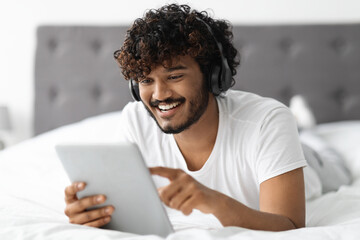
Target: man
[{"x": 233, "y": 154}]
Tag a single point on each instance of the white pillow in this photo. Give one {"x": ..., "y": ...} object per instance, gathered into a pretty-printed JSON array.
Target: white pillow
[
  {"x": 344, "y": 137},
  {"x": 326, "y": 161},
  {"x": 302, "y": 112}
]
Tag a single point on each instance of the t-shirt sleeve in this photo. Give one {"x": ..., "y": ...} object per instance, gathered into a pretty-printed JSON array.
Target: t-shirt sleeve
[{"x": 278, "y": 146}]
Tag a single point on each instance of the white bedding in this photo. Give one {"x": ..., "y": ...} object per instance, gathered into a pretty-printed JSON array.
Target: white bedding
[{"x": 32, "y": 184}]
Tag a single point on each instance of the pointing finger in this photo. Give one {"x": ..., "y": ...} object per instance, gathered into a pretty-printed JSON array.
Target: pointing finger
[{"x": 169, "y": 173}]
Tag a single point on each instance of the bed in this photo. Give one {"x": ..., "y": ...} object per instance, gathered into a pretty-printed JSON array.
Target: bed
[{"x": 80, "y": 93}]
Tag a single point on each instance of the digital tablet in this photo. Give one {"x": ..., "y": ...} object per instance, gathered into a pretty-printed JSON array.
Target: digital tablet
[{"x": 119, "y": 172}]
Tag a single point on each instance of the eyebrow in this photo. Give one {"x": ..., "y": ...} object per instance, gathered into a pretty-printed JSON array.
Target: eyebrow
[{"x": 178, "y": 67}]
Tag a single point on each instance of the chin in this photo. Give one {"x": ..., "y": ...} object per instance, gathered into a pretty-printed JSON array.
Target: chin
[{"x": 171, "y": 129}]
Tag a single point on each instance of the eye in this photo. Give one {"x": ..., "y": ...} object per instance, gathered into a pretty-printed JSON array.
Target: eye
[
  {"x": 174, "y": 77},
  {"x": 145, "y": 81}
]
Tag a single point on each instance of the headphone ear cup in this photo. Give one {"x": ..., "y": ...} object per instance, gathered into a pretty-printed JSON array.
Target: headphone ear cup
[
  {"x": 214, "y": 80},
  {"x": 226, "y": 76},
  {"x": 134, "y": 90},
  {"x": 220, "y": 76}
]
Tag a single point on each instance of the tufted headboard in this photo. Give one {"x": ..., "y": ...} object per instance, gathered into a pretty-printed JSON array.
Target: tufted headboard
[{"x": 76, "y": 76}]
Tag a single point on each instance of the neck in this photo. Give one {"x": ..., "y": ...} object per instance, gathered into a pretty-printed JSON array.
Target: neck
[{"x": 196, "y": 143}]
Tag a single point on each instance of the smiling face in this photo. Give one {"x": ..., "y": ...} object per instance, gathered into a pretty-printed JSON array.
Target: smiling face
[{"x": 176, "y": 96}]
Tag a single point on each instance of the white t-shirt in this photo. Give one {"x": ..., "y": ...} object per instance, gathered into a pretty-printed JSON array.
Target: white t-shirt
[{"x": 257, "y": 139}]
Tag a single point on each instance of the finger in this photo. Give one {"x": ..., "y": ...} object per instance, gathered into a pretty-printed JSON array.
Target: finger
[
  {"x": 189, "y": 188},
  {"x": 187, "y": 206},
  {"x": 178, "y": 200},
  {"x": 99, "y": 222},
  {"x": 169, "y": 173},
  {"x": 93, "y": 215},
  {"x": 84, "y": 203},
  {"x": 170, "y": 191},
  {"x": 70, "y": 191}
]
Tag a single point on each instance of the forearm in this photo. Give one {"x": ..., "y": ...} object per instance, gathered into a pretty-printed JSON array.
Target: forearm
[
  {"x": 233, "y": 213},
  {"x": 277, "y": 195}
]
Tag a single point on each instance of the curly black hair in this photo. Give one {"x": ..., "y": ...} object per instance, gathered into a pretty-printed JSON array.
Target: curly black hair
[{"x": 170, "y": 31}]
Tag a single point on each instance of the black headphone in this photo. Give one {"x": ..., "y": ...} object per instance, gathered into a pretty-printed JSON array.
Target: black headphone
[{"x": 219, "y": 78}]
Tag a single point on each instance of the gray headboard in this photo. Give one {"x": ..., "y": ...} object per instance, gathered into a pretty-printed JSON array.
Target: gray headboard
[{"x": 76, "y": 76}]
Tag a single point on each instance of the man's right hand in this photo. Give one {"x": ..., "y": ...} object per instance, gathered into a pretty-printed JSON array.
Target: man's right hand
[{"x": 76, "y": 208}]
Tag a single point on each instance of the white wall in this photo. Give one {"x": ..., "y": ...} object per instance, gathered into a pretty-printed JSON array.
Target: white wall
[{"x": 19, "y": 19}]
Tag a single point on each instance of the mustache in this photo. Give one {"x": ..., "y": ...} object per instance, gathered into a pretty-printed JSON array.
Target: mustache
[{"x": 156, "y": 103}]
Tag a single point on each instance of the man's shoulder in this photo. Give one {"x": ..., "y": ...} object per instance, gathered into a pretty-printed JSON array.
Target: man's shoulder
[
  {"x": 242, "y": 99},
  {"x": 134, "y": 108},
  {"x": 248, "y": 106},
  {"x": 135, "y": 114},
  {"x": 137, "y": 123}
]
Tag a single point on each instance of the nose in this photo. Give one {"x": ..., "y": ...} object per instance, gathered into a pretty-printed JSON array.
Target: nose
[{"x": 161, "y": 91}]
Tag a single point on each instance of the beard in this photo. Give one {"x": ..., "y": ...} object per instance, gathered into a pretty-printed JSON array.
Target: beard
[{"x": 198, "y": 106}]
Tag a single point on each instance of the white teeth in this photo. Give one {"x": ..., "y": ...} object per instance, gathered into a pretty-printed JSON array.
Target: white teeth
[{"x": 168, "y": 106}]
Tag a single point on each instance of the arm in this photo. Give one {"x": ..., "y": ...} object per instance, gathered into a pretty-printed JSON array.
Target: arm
[
  {"x": 282, "y": 201},
  {"x": 282, "y": 205},
  {"x": 76, "y": 208}
]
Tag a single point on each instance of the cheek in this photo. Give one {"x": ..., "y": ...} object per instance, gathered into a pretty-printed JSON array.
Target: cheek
[
  {"x": 192, "y": 90},
  {"x": 144, "y": 94}
]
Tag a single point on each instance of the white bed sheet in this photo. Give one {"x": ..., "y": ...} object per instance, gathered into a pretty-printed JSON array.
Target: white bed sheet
[{"x": 32, "y": 184}]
